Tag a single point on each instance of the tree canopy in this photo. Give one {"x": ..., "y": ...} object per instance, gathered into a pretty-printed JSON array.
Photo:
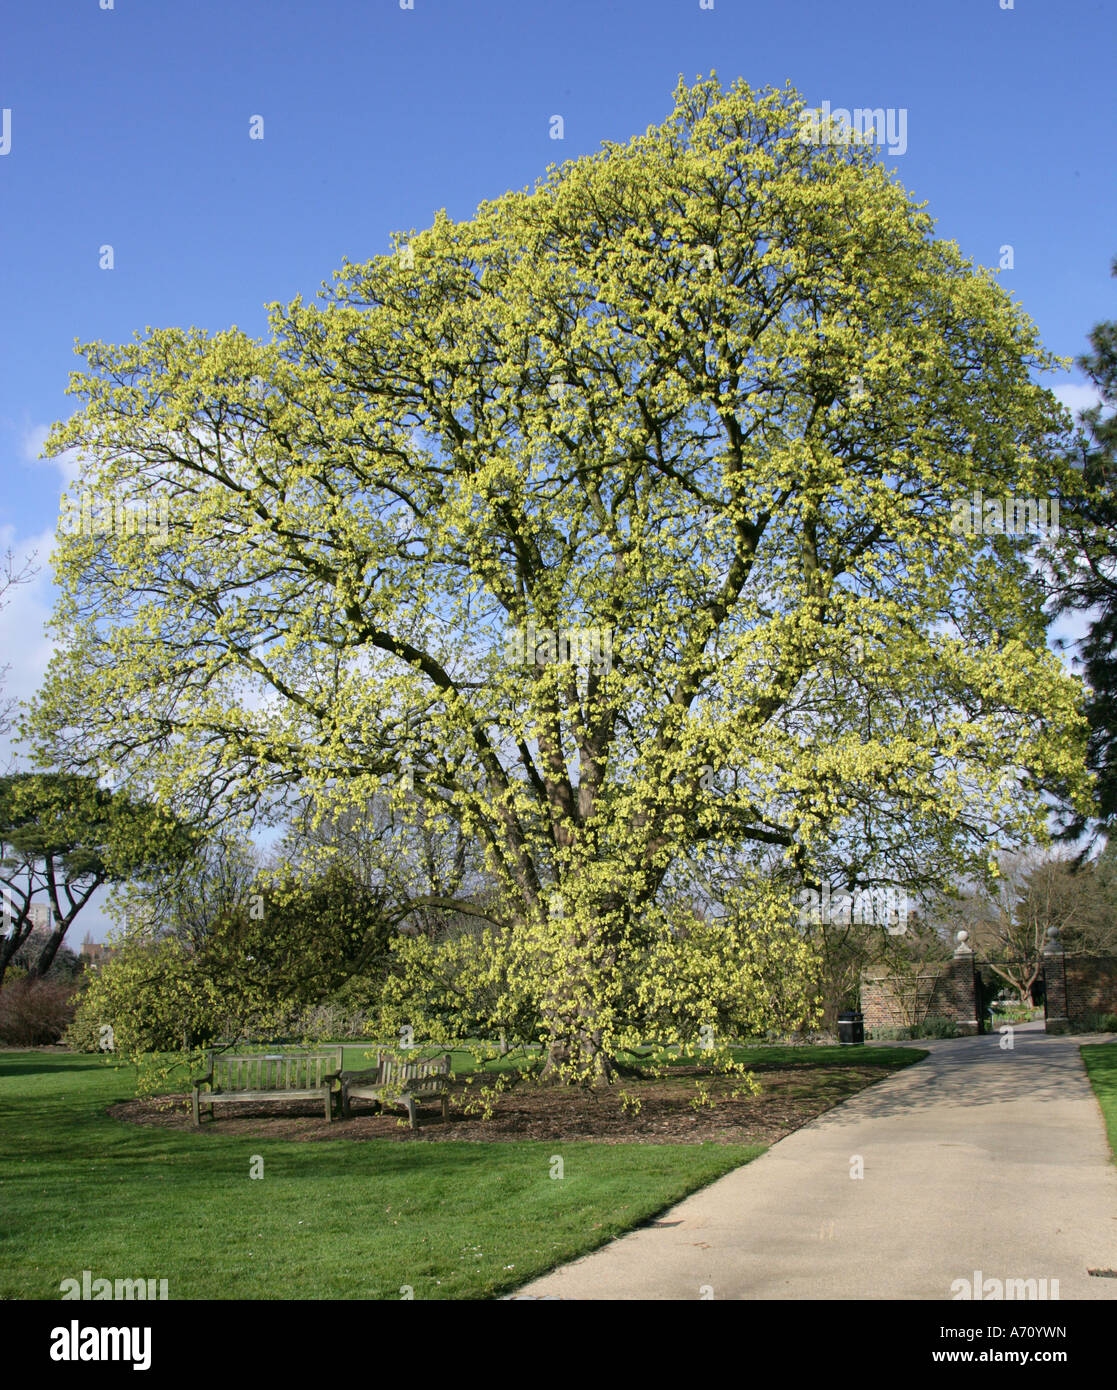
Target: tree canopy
[{"x": 615, "y": 522}]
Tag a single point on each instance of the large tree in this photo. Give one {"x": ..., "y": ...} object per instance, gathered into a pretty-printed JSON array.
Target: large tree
[
  {"x": 1085, "y": 576},
  {"x": 615, "y": 522}
]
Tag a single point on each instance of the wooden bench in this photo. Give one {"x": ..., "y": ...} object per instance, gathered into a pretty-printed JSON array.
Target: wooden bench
[
  {"x": 396, "y": 1081},
  {"x": 268, "y": 1076}
]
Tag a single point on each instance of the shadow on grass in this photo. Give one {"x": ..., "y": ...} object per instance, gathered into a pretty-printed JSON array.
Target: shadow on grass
[{"x": 38, "y": 1068}]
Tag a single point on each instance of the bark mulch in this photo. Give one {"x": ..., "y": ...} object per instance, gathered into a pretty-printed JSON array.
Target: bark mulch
[{"x": 788, "y": 1099}]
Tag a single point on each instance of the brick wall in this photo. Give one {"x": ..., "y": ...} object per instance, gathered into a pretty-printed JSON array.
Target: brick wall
[
  {"x": 890, "y": 1001},
  {"x": 1075, "y": 987},
  {"x": 1091, "y": 986}
]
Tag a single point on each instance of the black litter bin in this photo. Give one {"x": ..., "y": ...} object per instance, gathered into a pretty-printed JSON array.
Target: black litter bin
[{"x": 851, "y": 1028}]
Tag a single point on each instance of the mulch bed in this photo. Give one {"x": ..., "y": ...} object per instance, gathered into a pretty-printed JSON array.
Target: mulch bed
[{"x": 788, "y": 1099}]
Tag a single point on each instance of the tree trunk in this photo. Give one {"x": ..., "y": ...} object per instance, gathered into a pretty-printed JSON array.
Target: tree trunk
[
  {"x": 576, "y": 1057},
  {"x": 50, "y": 950},
  {"x": 10, "y": 944},
  {"x": 575, "y": 1052}
]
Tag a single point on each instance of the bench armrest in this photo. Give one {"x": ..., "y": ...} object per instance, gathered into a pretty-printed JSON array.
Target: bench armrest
[{"x": 368, "y": 1074}]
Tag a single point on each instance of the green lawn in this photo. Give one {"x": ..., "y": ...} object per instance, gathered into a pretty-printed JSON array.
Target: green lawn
[
  {"x": 339, "y": 1220},
  {"x": 1101, "y": 1067}
]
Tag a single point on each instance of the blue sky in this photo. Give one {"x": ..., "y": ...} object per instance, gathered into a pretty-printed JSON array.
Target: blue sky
[{"x": 130, "y": 127}]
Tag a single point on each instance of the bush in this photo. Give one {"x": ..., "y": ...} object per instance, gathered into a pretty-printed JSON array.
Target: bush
[
  {"x": 326, "y": 1022},
  {"x": 933, "y": 1026},
  {"x": 84, "y": 1032},
  {"x": 152, "y": 997},
  {"x": 1097, "y": 1023},
  {"x": 936, "y": 1026},
  {"x": 34, "y": 1013}
]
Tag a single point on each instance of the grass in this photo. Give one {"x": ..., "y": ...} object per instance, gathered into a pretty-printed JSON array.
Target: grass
[
  {"x": 1101, "y": 1066},
  {"x": 345, "y": 1220}
]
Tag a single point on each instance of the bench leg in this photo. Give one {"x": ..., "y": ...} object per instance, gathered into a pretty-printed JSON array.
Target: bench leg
[
  {"x": 329, "y": 1105},
  {"x": 445, "y": 1106},
  {"x": 195, "y": 1107},
  {"x": 412, "y": 1117}
]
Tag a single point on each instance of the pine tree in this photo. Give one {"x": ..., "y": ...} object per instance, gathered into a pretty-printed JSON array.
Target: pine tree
[{"x": 1086, "y": 576}]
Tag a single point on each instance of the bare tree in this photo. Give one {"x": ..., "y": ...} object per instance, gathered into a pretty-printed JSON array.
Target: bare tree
[
  {"x": 428, "y": 877},
  {"x": 1034, "y": 892},
  {"x": 184, "y": 900}
]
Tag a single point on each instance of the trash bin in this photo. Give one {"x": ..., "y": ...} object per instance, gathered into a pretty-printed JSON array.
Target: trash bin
[{"x": 851, "y": 1027}]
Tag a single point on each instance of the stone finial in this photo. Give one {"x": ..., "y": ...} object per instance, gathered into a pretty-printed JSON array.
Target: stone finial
[
  {"x": 1052, "y": 944},
  {"x": 962, "y": 949}
]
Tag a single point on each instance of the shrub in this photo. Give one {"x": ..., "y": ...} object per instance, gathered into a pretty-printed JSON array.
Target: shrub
[
  {"x": 35, "y": 1012},
  {"x": 933, "y": 1026},
  {"x": 1098, "y": 1023},
  {"x": 936, "y": 1026},
  {"x": 154, "y": 999},
  {"x": 327, "y": 1021},
  {"x": 84, "y": 1032}
]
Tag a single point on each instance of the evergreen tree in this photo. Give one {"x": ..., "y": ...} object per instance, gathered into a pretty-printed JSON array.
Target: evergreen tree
[{"x": 1086, "y": 575}]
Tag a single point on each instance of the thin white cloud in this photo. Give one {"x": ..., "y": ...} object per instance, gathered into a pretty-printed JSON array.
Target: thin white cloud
[
  {"x": 68, "y": 463},
  {"x": 1076, "y": 396}
]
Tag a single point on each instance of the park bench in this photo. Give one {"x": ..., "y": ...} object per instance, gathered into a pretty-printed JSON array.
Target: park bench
[
  {"x": 268, "y": 1076},
  {"x": 396, "y": 1081}
]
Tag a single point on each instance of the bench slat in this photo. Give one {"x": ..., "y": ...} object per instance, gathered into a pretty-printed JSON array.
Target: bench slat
[{"x": 230, "y": 1097}]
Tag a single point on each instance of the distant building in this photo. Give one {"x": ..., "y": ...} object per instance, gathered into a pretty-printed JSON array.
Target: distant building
[
  {"x": 12, "y": 909},
  {"x": 39, "y": 915},
  {"x": 95, "y": 952}
]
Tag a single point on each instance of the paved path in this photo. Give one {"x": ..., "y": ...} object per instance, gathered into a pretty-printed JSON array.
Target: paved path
[{"x": 976, "y": 1158}]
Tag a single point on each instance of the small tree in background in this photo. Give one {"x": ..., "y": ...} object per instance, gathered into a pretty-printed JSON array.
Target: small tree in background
[
  {"x": 63, "y": 836},
  {"x": 66, "y": 968},
  {"x": 1034, "y": 892}
]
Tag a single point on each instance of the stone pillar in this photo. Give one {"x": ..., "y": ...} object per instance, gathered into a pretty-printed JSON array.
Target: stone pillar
[
  {"x": 1055, "y": 1018},
  {"x": 963, "y": 986}
]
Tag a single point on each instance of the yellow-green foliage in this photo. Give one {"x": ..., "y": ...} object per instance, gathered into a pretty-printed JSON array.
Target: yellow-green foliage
[
  {"x": 712, "y": 396},
  {"x": 157, "y": 998},
  {"x": 455, "y": 990},
  {"x": 152, "y": 998}
]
